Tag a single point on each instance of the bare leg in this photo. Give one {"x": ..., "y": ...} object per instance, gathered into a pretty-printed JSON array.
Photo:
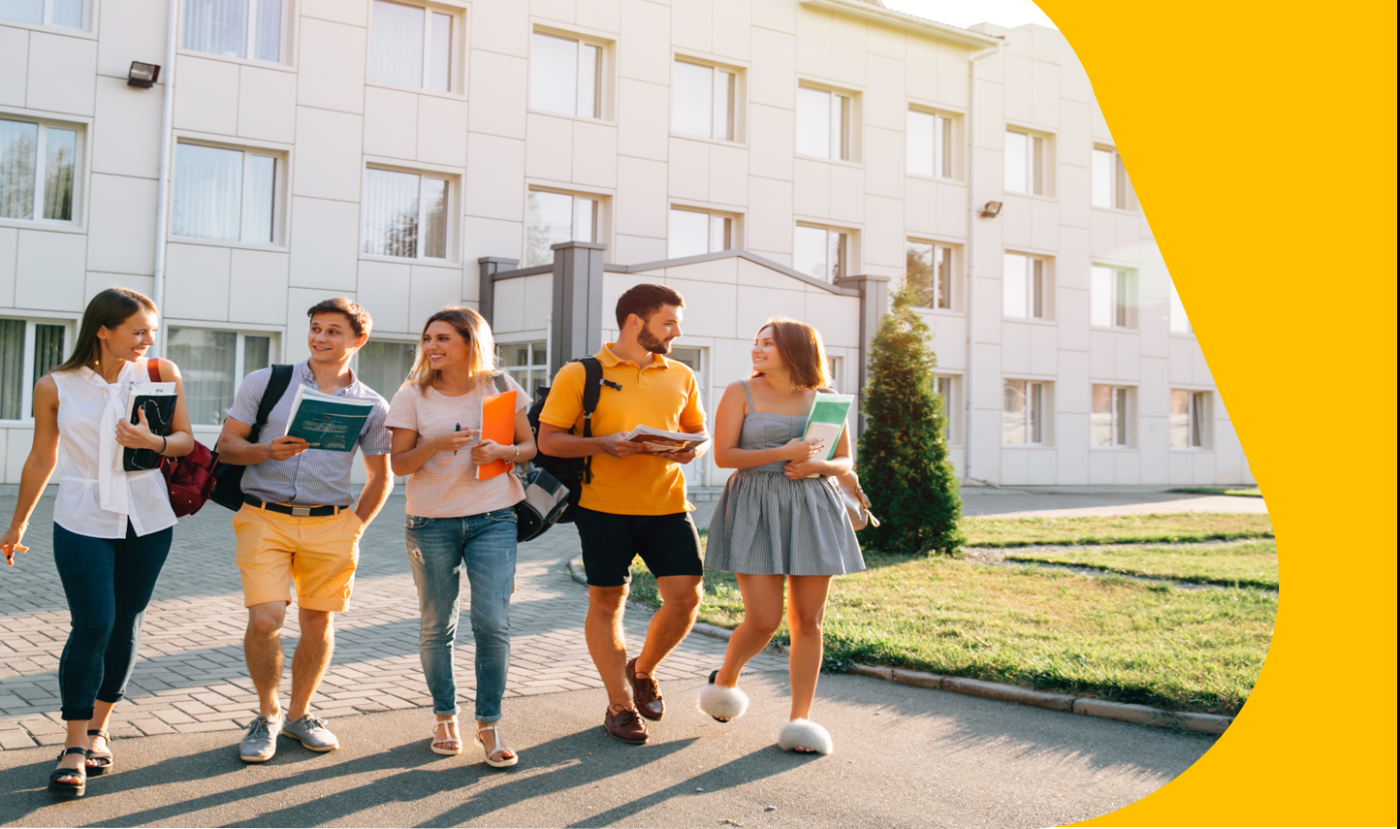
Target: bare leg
[
  {"x": 680, "y": 601},
  {"x": 763, "y": 613},
  {"x": 101, "y": 713},
  {"x": 495, "y": 746},
  {"x": 262, "y": 648},
  {"x": 311, "y": 659},
  {"x": 77, "y": 736},
  {"x": 603, "y": 629},
  {"x": 806, "y": 604},
  {"x": 446, "y": 733}
]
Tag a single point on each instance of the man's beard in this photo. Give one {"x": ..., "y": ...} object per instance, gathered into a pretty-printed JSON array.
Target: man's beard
[{"x": 646, "y": 340}]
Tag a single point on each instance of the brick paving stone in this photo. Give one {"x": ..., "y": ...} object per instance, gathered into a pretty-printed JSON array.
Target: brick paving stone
[{"x": 192, "y": 675}]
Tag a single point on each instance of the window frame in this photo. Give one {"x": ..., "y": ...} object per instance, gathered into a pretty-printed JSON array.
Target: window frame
[
  {"x": 27, "y": 378},
  {"x": 729, "y": 230},
  {"x": 542, "y": 367},
  {"x": 1122, "y": 297},
  {"x": 845, "y": 250},
  {"x": 1039, "y": 163},
  {"x": 954, "y": 289},
  {"x": 452, "y": 210},
  {"x": 600, "y": 226},
  {"x": 46, "y": 19},
  {"x": 281, "y": 179},
  {"x": 736, "y": 97},
  {"x": 414, "y": 344},
  {"x": 1045, "y": 295},
  {"x": 950, "y": 157},
  {"x": 1038, "y": 417},
  {"x": 1121, "y": 417},
  {"x": 274, "y": 353},
  {"x": 80, "y": 150},
  {"x": 850, "y": 115},
  {"x": 1122, "y": 196},
  {"x": 1199, "y": 433},
  {"x": 285, "y": 39},
  {"x": 457, "y": 50},
  {"x": 952, "y": 406},
  {"x": 602, "y": 89}
]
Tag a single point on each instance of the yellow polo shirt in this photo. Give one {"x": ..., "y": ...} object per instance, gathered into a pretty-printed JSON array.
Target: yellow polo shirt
[{"x": 662, "y": 394}]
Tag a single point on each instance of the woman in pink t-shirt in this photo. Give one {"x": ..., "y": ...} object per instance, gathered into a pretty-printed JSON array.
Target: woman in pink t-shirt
[{"x": 456, "y": 522}]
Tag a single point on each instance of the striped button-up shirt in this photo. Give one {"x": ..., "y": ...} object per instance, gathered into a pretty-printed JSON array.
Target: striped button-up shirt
[{"x": 316, "y": 477}]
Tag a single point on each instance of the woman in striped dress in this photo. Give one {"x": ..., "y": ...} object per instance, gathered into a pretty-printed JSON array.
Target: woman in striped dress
[{"x": 778, "y": 521}]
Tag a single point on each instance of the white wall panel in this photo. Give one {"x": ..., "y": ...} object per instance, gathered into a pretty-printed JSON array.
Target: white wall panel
[
  {"x": 9, "y": 250},
  {"x": 640, "y": 207},
  {"x": 126, "y": 135},
  {"x": 495, "y": 177},
  {"x": 549, "y": 152},
  {"x": 257, "y": 291},
  {"x": 267, "y": 104},
  {"x": 122, "y": 236},
  {"x": 14, "y": 65},
  {"x": 49, "y": 270},
  {"x": 391, "y": 123},
  {"x": 62, "y": 73},
  {"x": 197, "y": 282},
  {"x": 203, "y": 93},
  {"x": 325, "y": 244},
  {"x": 643, "y": 119},
  {"x": 497, "y": 87},
  {"x": 331, "y": 66},
  {"x": 595, "y": 154}
]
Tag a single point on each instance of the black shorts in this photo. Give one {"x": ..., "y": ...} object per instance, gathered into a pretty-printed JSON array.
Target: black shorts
[{"x": 668, "y": 544}]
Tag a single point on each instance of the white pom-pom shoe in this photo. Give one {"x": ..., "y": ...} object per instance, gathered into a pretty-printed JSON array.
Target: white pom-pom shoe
[
  {"x": 723, "y": 704},
  {"x": 804, "y": 734}
]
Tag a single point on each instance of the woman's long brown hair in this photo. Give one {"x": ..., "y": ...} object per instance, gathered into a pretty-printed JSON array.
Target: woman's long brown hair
[
  {"x": 481, "y": 345},
  {"x": 109, "y": 309},
  {"x": 802, "y": 350}
]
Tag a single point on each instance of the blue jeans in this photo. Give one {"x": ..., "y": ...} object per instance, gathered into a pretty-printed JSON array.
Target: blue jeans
[
  {"x": 438, "y": 549},
  {"x": 108, "y": 582}
]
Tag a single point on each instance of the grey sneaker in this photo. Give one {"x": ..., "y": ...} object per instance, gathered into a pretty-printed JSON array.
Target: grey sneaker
[
  {"x": 260, "y": 740},
  {"x": 313, "y": 733}
]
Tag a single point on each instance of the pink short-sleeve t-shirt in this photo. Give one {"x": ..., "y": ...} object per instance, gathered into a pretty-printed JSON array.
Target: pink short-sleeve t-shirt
[{"x": 446, "y": 486}]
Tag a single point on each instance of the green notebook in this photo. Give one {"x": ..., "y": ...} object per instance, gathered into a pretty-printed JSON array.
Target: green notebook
[{"x": 826, "y": 420}]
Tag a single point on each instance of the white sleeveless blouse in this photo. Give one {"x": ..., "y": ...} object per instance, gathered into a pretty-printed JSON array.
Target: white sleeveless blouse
[{"x": 95, "y": 496}]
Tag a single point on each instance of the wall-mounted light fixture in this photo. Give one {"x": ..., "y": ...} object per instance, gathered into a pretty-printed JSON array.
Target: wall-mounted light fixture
[
  {"x": 991, "y": 209},
  {"x": 142, "y": 75}
]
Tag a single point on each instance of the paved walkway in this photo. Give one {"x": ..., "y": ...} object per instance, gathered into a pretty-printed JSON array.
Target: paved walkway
[
  {"x": 1072, "y": 501},
  {"x": 191, "y": 676}
]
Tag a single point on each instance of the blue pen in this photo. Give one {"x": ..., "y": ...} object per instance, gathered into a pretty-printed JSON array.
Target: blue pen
[{"x": 458, "y": 429}]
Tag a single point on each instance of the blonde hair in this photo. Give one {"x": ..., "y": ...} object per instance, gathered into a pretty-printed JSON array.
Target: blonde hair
[
  {"x": 481, "y": 349},
  {"x": 801, "y": 348}
]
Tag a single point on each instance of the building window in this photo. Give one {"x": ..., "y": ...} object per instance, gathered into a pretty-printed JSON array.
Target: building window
[
  {"x": 1025, "y": 287},
  {"x": 384, "y": 366},
  {"x": 1108, "y": 416},
  {"x": 566, "y": 76},
  {"x": 703, "y": 101},
  {"x": 249, "y": 29},
  {"x": 694, "y": 233},
  {"x": 406, "y": 214},
  {"x": 38, "y": 164},
  {"x": 1189, "y": 419},
  {"x": 213, "y": 365},
  {"x": 1112, "y": 293},
  {"x": 946, "y": 388},
  {"x": 28, "y": 351},
  {"x": 929, "y": 144},
  {"x": 1025, "y": 163},
  {"x": 552, "y": 218},
  {"x": 820, "y": 252},
  {"x": 929, "y": 268},
  {"x": 528, "y": 363},
  {"x": 411, "y": 46},
  {"x": 1023, "y": 413},
  {"x": 824, "y": 124},
  {"x": 229, "y": 195},
  {"x": 1111, "y": 186},
  {"x": 66, "y": 13},
  {"x": 1177, "y": 321}
]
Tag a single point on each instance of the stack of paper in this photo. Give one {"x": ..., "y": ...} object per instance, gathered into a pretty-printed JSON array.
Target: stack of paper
[{"x": 326, "y": 421}]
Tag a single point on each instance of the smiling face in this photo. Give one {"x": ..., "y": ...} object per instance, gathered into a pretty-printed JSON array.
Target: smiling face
[
  {"x": 445, "y": 347},
  {"x": 658, "y": 332},
  {"x": 332, "y": 339},
  {"x": 765, "y": 354},
  {"x": 132, "y": 339}
]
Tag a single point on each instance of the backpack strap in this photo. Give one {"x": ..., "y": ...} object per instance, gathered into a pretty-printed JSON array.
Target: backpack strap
[
  {"x": 276, "y": 387},
  {"x": 499, "y": 378},
  {"x": 153, "y": 369},
  {"x": 592, "y": 390}
]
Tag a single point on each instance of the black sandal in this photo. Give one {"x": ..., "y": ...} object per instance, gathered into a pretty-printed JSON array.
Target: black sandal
[
  {"x": 104, "y": 758},
  {"x": 63, "y": 789}
]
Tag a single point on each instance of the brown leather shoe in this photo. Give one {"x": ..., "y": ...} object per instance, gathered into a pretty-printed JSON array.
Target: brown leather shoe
[
  {"x": 623, "y": 725},
  {"x": 646, "y": 694}
]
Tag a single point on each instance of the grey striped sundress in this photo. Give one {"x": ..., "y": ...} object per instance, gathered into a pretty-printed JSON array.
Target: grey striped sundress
[{"x": 766, "y": 524}]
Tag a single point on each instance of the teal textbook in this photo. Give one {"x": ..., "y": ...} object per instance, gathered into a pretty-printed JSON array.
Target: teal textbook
[
  {"x": 326, "y": 421},
  {"x": 826, "y": 420}
]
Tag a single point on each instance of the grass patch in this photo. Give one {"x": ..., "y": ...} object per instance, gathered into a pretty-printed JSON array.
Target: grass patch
[
  {"x": 1250, "y": 563},
  {"x": 1116, "y": 529},
  {"x": 1107, "y": 637},
  {"x": 1245, "y": 492}
]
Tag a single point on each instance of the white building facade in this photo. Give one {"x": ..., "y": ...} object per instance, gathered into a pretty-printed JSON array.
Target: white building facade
[{"x": 764, "y": 157}]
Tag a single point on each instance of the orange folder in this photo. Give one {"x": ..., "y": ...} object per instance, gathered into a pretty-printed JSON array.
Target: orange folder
[{"x": 498, "y": 424}]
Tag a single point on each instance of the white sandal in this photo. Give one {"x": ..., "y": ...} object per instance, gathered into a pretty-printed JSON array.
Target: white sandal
[
  {"x": 805, "y": 734},
  {"x": 433, "y": 746},
  {"x": 721, "y": 703},
  {"x": 495, "y": 764}
]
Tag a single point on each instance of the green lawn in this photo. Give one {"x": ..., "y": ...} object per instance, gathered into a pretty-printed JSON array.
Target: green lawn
[
  {"x": 1248, "y": 563},
  {"x": 1117, "y": 529},
  {"x": 1247, "y": 492}
]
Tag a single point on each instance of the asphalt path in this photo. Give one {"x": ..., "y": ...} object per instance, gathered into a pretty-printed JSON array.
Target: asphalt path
[{"x": 904, "y": 757}]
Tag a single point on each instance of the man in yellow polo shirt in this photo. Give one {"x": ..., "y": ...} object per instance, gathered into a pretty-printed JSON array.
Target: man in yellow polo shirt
[{"x": 635, "y": 503}]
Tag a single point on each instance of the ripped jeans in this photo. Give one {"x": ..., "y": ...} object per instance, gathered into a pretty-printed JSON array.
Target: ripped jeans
[{"x": 438, "y": 551}]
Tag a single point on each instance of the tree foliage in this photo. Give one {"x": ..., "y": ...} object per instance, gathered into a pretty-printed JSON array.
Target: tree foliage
[{"x": 904, "y": 466}]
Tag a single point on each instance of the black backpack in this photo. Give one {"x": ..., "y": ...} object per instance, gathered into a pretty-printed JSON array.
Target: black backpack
[
  {"x": 228, "y": 478},
  {"x": 573, "y": 473}
]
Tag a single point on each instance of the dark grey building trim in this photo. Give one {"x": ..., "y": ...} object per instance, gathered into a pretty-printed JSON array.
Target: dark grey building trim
[
  {"x": 727, "y": 254},
  {"x": 874, "y": 302}
]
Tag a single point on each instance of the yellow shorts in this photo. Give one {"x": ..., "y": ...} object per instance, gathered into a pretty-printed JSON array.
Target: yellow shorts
[{"x": 318, "y": 555}]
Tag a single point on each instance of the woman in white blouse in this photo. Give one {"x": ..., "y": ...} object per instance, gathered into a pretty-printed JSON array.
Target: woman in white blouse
[{"x": 112, "y": 528}]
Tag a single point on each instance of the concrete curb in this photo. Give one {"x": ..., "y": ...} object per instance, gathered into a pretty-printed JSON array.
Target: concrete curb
[{"x": 1068, "y": 703}]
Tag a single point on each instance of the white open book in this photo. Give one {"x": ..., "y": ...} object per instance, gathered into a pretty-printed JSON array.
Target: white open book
[{"x": 661, "y": 441}]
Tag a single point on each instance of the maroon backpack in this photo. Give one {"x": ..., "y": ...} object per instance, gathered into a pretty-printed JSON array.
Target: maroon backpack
[{"x": 191, "y": 478}]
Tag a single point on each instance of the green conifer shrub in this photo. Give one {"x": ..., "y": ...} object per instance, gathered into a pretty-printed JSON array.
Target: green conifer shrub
[{"x": 903, "y": 458}]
